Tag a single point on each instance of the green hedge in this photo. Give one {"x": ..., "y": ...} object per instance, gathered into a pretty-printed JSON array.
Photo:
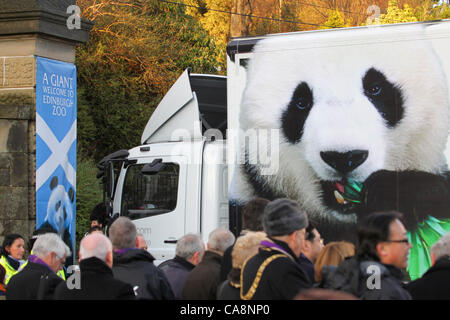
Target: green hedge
[{"x": 89, "y": 194}]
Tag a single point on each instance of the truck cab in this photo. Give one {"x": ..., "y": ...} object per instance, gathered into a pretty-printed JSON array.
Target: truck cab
[{"x": 176, "y": 182}]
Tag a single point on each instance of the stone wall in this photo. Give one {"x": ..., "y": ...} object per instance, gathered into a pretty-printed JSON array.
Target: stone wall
[
  {"x": 28, "y": 28},
  {"x": 17, "y": 144}
]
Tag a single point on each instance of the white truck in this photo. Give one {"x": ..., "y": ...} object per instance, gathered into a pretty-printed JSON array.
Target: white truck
[{"x": 178, "y": 180}]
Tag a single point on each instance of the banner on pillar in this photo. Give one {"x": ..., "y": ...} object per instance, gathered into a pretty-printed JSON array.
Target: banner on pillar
[{"x": 56, "y": 140}]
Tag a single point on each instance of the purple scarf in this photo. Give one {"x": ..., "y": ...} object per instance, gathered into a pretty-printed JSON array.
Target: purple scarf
[
  {"x": 123, "y": 251},
  {"x": 34, "y": 259}
]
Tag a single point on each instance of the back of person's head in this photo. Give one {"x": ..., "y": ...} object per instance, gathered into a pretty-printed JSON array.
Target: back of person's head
[
  {"x": 123, "y": 233},
  {"x": 37, "y": 233},
  {"x": 189, "y": 244},
  {"x": 309, "y": 234},
  {"x": 220, "y": 239},
  {"x": 252, "y": 214},
  {"x": 246, "y": 246},
  {"x": 95, "y": 245},
  {"x": 373, "y": 229},
  {"x": 332, "y": 255},
  {"x": 282, "y": 217},
  {"x": 99, "y": 213},
  {"x": 95, "y": 229},
  {"x": 50, "y": 242},
  {"x": 8, "y": 241},
  {"x": 441, "y": 248}
]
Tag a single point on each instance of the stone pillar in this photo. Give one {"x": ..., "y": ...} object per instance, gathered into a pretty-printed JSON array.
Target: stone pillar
[{"x": 28, "y": 28}]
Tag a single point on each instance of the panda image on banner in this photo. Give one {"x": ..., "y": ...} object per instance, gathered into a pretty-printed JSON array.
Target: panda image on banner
[
  {"x": 59, "y": 211},
  {"x": 362, "y": 127}
]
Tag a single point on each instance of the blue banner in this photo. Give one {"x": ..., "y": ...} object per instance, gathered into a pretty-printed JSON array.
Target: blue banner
[{"x": 56, "y": 140}]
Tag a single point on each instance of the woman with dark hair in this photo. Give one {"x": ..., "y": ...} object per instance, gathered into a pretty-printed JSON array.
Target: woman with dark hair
[{"x": 12, "y": 252}]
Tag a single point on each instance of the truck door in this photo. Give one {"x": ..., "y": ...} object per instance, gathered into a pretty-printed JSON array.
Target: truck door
[{"x": 155, "y": 201}]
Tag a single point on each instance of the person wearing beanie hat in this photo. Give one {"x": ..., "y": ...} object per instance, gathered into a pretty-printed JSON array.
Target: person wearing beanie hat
[{"x": 274, "y": 273}]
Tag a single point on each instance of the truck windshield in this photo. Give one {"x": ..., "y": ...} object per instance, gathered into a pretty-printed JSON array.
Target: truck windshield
[{"x": 150, "y": 195}]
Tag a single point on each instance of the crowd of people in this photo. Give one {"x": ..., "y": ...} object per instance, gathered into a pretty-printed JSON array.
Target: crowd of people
[{"x": 279, "y": 255}]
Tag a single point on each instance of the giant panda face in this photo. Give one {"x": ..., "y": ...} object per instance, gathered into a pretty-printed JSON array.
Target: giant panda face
[
  {"x": 59, "y": 207},
  {"x": 345, "y": 112}
]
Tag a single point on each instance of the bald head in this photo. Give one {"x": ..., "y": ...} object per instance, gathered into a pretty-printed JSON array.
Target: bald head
[{"x": 96, "y": 245}]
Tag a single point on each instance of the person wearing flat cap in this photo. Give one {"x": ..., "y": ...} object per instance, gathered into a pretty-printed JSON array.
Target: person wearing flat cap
[{"x": 274, "y": 273}]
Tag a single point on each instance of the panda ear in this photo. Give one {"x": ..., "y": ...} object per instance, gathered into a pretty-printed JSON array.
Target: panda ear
[
  {"x": 54, "y": 182},
  {"x": 71, "y": 194}
]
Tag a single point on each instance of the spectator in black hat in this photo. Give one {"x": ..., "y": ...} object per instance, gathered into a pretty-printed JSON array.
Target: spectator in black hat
[
  {"x": 274, "y": 273},
  {"x": 99, "y": 216}
]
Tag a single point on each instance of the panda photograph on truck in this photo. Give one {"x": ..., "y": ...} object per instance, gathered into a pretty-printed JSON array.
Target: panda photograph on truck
[
  {"x": 361, "y": 122},
  {"x": 363, "y": 116}
]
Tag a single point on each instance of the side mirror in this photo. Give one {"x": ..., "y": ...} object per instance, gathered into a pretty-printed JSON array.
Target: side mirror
[{"x": 153, "y": 168}]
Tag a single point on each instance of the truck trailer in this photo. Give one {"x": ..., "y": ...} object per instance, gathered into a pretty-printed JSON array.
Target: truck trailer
[{"x": 344, "y": 121}]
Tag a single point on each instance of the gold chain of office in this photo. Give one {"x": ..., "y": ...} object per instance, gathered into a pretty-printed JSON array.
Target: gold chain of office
[{"x": 254, "y": 286}]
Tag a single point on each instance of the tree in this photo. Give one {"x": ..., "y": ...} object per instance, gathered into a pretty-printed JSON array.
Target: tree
[
  {"x": 396, "y": 15},
  {"x": 214, "y": 16},
  {"x": 89, "y": 194},
  {"x": 335, "y": 20},
  {"x": 136, "y": 51},
  {"x": 432, "y": 10}
]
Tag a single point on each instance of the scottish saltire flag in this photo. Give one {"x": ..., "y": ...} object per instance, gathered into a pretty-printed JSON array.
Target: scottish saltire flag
[{"x": 56, "y": 140}]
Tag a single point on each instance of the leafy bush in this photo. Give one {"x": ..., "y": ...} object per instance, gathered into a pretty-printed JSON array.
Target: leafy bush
[{"x": 89, "y": 194}]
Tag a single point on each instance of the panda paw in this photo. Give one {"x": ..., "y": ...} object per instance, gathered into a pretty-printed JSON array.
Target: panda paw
[{"x": 416, "y": 194}]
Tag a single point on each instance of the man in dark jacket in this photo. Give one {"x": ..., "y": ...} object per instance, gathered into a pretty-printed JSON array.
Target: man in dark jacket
[
  {"x": 375, "y": 272},
  {"x": 135, "y": 266},
  {"x": 188, "y": 254},
  {"x": 38, "y": 279},
  {"x": 312, "y": 246},
  {"x": 274, "y": 273},
  {"x": 435, "y": 283},
  {"x": 202, "y": 282},
  {"x": 96, "y": 281}
]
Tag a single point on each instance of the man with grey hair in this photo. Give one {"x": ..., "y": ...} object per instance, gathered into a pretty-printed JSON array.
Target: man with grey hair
[
  {"x": 202, "y": 282},
  {"x": 38, "y": 280},
  {"x": 274, "y": 273},
  {"x": 435, "y": 283},
  {"x": 96, "y": 280},
  {"x": 188, "y": 253},
  {"x": 135, "y": 266}
]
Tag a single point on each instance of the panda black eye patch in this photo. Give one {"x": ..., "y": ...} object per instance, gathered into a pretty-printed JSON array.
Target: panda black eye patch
[
  {"x": 385, "y": 96},
  {"x": 294, "y": 117}
]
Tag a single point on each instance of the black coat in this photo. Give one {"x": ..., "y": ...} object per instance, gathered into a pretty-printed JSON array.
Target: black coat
[
  {"x": 308, "y": 267},
  {"x": 227, "y": 263},
  {"x": 281, "y": 279},
  {"x": 434, "y": 284},
  {"x": 230, "y": 289},
  {"x": 176, "y": 271},
  {"x": 34, "y": 282},
  {"x": 202, "y": 282},
  {"x": 96, "y": 283},
  {"x": 227, "y": 291},
  {"x": 136, "y": 267},
  {"x": 353, "y": 277}
]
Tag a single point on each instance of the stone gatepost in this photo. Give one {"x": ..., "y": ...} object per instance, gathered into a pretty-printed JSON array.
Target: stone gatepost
[{"x": 28, "y": 28}]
